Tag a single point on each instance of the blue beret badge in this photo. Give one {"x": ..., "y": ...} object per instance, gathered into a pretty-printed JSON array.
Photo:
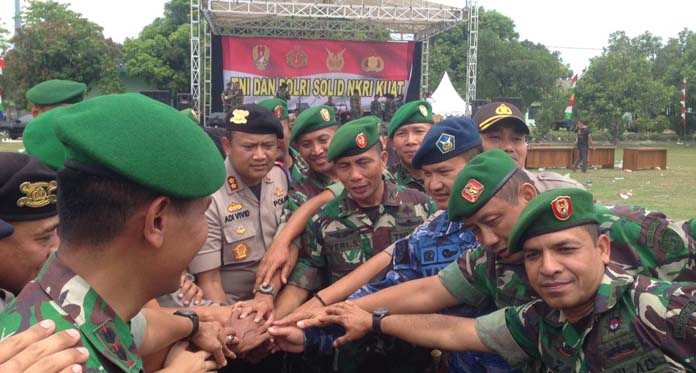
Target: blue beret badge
[{"x": 445, "y": 143}]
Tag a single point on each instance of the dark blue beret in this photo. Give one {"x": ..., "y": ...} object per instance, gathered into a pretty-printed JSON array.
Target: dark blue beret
[
  {"x": 446, "y": 139},
  {"x": 252, "y": 118},
  {"x": 6, "y": 229}
]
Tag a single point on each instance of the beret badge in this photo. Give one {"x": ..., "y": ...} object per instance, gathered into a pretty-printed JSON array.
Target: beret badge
[
  {"x": 239, "y": 116},
  {"x": 562, "y": 207},
  {"x": 278, "y": 111},
  {"x": 37, "y": 194},
  {"x": 423, "y": 110},
  {"x": 361, "y": 140},
  {"x": 445, "y": 143},
  {"x": 325, "y": 115},
  {"x": 472, "y": 190},
  {"x": 503, "y": 110}
]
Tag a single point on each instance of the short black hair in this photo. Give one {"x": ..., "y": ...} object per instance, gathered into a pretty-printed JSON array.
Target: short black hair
[
  {"x": 511, "y": 190},
  {"x": 94, "y": 209},
  {"x": 468, "y": 155}
]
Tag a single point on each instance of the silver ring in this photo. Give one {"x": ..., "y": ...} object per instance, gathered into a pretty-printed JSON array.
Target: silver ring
[{"x": 230, "y": 338}]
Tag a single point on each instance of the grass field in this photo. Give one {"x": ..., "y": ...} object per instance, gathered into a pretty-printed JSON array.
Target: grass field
[{"x": 671, "y": 191}]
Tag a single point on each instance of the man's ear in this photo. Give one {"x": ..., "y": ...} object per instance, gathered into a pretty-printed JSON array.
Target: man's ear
[
  {"x": 384, "y": 158},
  {"x": 227, "y": 145},
  {"x": 604, "y": 246},
  {"x": 527, "y": 193},
  {"x": 156, "y": 220}
]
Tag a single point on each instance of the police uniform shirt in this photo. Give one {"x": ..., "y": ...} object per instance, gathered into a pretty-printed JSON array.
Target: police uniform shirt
[
  {"x": 240, "y": 229},
  {"x": 550, "y": 180}
]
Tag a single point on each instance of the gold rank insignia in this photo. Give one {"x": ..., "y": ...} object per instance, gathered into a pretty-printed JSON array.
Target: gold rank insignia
[
  {"x": 38, "y": 194},
  {"x": 503, "y": 110},
  {"x": 472, "y": 190},
  {"x": 241, "y": 230},
  {"x": 423, "y": 110},
  {"x": 361, "y": 140},
  {"x": 562, "y": 207},
  {"x": 239, "y": 116},
  {"x": 232, "y": 183},
  {"x": 240, "y": 251},
  {"x": 234, "y": 206},
  {"x": 279, "y": 192}
]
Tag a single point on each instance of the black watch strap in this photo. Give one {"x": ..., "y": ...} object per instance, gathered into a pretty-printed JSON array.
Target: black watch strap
[
  {"x": 194, "y": 319},
  {"x": 377, "y": 323}
]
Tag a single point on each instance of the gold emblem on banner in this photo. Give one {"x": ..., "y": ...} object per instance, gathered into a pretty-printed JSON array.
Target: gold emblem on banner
[
  {"x": 296, "y": 58},
  {"x": 262, "y": 56},
  {"x": 38, "y": 194},
  {"x": 372, "y": 64},
  {"x": 334, "y": 61}
]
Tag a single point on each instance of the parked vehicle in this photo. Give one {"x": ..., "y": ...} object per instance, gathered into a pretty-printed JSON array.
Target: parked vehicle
[{"x": 13, "y": 129}]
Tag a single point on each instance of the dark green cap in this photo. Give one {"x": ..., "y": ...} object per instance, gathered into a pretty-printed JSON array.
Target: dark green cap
[
  {"x": 312, "y": 119},
  {"x": 478, "y": 181},
  {"x": 142, "y": 140},
  {"x": 354, "y": 137},
  {"x": 53, "y": 92},
  {"x": 413, "y": 112},
  {"x": 40, "y": 139},
  {"x": 552, "y": 211},
  {"x": 277, "y": 106}
]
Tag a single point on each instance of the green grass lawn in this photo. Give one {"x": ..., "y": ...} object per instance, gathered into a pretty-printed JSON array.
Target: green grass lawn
[{"x": 671, "y": 191}]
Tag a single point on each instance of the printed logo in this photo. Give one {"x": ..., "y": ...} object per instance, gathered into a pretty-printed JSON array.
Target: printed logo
[
  {"x": 261, "y": 55},
  {"x": 334, "y": 61}
]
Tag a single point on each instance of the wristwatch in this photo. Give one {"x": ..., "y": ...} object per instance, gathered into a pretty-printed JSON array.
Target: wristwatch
[
  {"x": 191, "y": 316},
  {"x": 377, "y": 316},
  {"x": 266, "y": 289}
]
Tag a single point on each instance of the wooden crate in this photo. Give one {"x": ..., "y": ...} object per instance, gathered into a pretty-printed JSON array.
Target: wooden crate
[
  {"x": 644, "y": 158},
  {"x": 600, "y": 156},
  {"x": 549, "y": 156}
]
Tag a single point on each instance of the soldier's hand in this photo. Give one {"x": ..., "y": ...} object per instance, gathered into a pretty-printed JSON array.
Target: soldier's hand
[
  {"x": 179, "y": 359},
  {"x": 249, "y": 333},
  {"x": 37, "y": 350},
  {"x": 189, "y": 292},
  {"x": 356, "y": 321},
  {"x": 261, "y": 306},
  {"x": 214, "y": 338},
  {"x": 280, "y": 256},
  {"x": 309, "y": 318},
  {"x": 289, "y": 338}
]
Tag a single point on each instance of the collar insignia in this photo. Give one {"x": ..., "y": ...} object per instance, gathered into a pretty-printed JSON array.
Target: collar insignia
[{"x": 232, "y": 183}]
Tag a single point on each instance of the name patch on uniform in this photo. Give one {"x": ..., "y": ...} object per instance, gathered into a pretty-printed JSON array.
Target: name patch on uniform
[
  {"x": 280, "y": 201},
  {"x": 237, "y": 215},
  {"x": 241, "y": 251}
]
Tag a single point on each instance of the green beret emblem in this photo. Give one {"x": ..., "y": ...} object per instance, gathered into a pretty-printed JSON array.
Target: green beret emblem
[
  {"x": 278, "y": 111},
  {"x": 361, "y": 140},
  {"x": 38, "y": 194},
  {"x": 325, "y": 115},
  {"x": 445, "y": 143},
  {"x": 239, "y": 116},
  {"x": 562, "y": 207},
  {"x": 423, "y": 110},
  {"x": 472, "y": 190}
]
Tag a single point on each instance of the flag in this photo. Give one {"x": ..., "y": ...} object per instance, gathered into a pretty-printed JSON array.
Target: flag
[
  {"x": 2, "y": 65},
  {"x": 571, "y": 101},
  {"x": 683, "y": 103}
]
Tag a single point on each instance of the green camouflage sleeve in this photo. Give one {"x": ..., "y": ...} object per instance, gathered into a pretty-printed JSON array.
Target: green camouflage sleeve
[
  {"x": 494, "y": 332},
  {"x": 310, "y": 271},
  {"x": 523, "y": 325},
  {"x": 295, "y": 200},
  {"x": 463, "y": 279}
]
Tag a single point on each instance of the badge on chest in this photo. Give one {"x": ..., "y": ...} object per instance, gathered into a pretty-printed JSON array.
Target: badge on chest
[{"x": 240, "y": 251}]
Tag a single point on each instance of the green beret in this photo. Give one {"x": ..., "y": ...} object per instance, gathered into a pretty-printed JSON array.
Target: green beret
[
  {"x": 40, "y": 139},
  {"x": 253, "y": 118},
  {"x": 142, "y": 140},
  {"x": 478, "y": 181},
  {"x": 413, "y": 112},
  {"x": 53, "y": 92},
  {"x": 354, "y": 137},
  {"x": 277, "y": 106},
  {"x": 312, "y": 119},
  {"x": 552, "y": 211},
  {"x": 189, "y": 113},
  {"x": 27, "y": 188}
]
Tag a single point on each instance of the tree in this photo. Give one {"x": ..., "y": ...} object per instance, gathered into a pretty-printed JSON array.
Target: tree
[
  {"x": 57, "y": 43},
  {"x": 161, "y": 53}
]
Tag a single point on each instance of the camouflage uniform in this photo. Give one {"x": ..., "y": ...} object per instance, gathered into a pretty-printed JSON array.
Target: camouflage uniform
[
  {"x": 227, "y": 100},
  {"x": 299, "y": 167},
  {"x": 638, "y": 324},
  {"x": 343, "y": 236},
  {"x": 237, "y": 97},
  {"x": 5, "y": 298},
  {"x": 355, "y": 106},
  {"x": 389, "y": 109},
  {"x": 60, "y": 295},
  {"x": 283, "y": 94},
  {"x": 376, "y": 108},
  {"x": 403, "y": 177},
  {"x": 642, "y": 243}
]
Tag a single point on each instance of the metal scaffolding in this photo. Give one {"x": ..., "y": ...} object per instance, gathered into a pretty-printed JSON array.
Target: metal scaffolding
[
  {"x": 379, "y": 20},
  {"x": 471, "y": 56}
]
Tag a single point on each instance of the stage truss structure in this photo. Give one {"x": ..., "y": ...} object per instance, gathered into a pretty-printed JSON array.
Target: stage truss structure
[{"x": 379, "y": 20}]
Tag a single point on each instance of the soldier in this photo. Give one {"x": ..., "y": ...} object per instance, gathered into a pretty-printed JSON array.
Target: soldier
[
  {"x": 237, "y": 95},
  {"x": 283, "y": 93},
  {"x": 246, "y": 211},
  {"x": 399, "y": 101},
  {"x": 431, "y": 247},
  {"x": 151, "y": 213},
  {"x": 329, "y": 102},
  {"x": 376, "y": 107},
  {"x": 355, "y": 222},
  {"x": 592, "y": 315},
  {"x": 227, "y": 98},
  {"x": 389, "y": 107},
  {"x": 406, "y": 131},
  {"x": 286, "y": 155},
  {"x": 53, "y": 93},
  {"x": 355, "y": 105}
]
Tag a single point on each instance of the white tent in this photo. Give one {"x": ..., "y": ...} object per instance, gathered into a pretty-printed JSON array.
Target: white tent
[{"x": 446, "y": 101}]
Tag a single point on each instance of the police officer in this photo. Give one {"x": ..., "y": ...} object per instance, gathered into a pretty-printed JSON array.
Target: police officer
[
  {"x": 592, "y": 315},
  {"x": 133, "y": 205},
  {"x": 406, "y": 131},
  {"x": 53, "y": 93},
  {"x": 246, "y": 211},
  {"x": 355, "y": 105}
]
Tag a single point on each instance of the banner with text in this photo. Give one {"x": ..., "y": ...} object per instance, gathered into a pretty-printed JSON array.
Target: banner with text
[{"x": 316, "y": 69}]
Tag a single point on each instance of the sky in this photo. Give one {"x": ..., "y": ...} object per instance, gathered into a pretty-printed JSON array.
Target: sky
[{"x": 577, "y": 29}]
